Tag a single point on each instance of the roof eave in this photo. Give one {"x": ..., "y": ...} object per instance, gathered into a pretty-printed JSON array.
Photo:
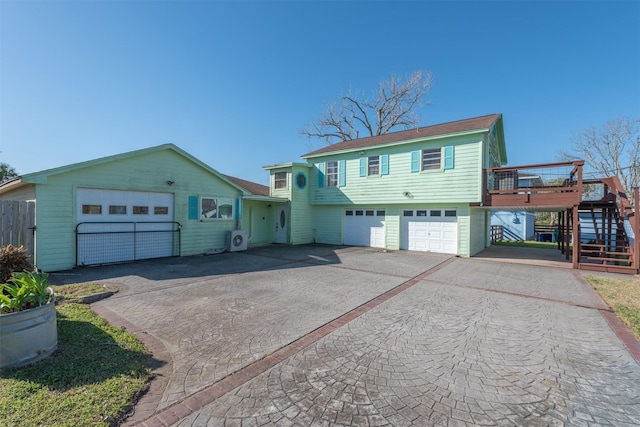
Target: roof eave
[{"x": 391, "y": 144}]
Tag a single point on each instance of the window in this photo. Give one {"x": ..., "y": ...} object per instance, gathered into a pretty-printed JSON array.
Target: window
[
  {"x": 92, "y": 209},
  {"x": 421, "y": 213},
  {"x": 161, "y": 210},
  {"x": 358, "y": 213},
  {"x": 407, "y": 213},
  {"x": 331, "y": 174},
  {"x": 117, "y": 210},
  {"x": 431, "y": 159},
  {"x": 450, "y": 213},
  {"x": 380, "y": 213},
  {"x": 349, "y": 213},
  {"x": 373, "y": 167},
  {"x": 301, "y": 180},
  {"x": 280, "y": 180},
  {"x": 213, "y": 208},
  {"x": 435, "y": 213},
  {"x": 369, "y": 213},
  {"x": 141, "y": 210}
]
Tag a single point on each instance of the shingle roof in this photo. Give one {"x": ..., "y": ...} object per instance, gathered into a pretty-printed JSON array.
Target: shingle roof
[
  {"x": 459, "y": 126},
  {"x": 252, "y": 187}
]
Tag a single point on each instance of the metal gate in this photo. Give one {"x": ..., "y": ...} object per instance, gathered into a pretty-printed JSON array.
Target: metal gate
[{"x": 112, "y": 242}]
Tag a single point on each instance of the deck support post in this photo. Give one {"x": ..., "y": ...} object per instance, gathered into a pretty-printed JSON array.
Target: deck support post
[
  {"x": 636, "y": 231},
  {"x": 576, "y": 236}
]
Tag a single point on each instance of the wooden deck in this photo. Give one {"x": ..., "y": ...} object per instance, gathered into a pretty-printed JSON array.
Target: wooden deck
[
  {"x": 551, "y": 186},
  {"x": 597, "y": 212}
]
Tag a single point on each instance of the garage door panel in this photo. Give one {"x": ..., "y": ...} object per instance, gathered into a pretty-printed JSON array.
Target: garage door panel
[
  {"x": 117, "y": 225},
  {"x": 364, "y": 230},
  {"x": 432, "y": 233}
]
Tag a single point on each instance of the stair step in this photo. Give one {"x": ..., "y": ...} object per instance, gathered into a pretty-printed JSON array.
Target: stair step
[{"x": 608, "y": 268}]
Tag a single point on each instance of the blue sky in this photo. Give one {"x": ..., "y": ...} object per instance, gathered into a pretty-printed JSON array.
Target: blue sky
[{"x": 232, "y": 83}]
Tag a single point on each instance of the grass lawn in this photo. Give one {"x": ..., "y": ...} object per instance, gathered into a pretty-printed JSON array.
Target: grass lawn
[
  {"x": 623, "y": 296},
  {"x": 93, "y": 379},
  {"x": 526, "y": 244}
]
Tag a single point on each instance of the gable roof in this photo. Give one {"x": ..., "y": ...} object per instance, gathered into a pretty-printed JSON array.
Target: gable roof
[
  {"x": 42, "y": 176},
  {"x": 252, "y": 187},
  {"x": 476, "y": 124}
]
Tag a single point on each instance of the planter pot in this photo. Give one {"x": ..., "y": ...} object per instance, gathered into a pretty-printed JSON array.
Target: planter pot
[{"x": 28, "y": 336}]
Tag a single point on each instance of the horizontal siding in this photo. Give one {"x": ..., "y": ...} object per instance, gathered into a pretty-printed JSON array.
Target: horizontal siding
[
  {"x": 25, "y": 193},
  {"x": 56, "y": 213},
  {"x": 328, "y": 225},
  {"x": 478, "y": 238},
  {"x": 301, "y": 212},
  {"x": 462, "y": 184}
]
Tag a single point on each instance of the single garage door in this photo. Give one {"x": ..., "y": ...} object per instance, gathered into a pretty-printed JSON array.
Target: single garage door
[
  {"x": 116, "y": 226},
  {"x": 364, "y": 227},
  {"x": 430, "y": 230}
]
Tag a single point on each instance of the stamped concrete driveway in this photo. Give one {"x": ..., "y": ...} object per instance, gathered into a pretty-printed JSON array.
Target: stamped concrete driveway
[{"x": 319, "y": 335}]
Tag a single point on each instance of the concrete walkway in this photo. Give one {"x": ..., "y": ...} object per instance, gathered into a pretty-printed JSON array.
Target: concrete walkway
[{"x": 320, "y": 335}]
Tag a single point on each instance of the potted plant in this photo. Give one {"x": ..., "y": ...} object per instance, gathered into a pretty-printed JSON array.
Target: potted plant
[{"x": 28, "y": 330}]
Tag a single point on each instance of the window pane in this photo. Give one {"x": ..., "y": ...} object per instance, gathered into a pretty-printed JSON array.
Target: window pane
[
  {"x": 117, "y": 210},
  {"x": 380, "y": 213},
  {"x": 225, "y": 208},
  {"x": 358, "y": 213},
  {"x": 407, "y": 213},
  {"x": 374, "y": 165},
  {"x": 431, "y": 159},
  {"x": 331, "y": 174},
  {"x": 369, "y": 213},
  {"x": 449, "y": 213},
  {"x": 141, "y": 210},
  {"x": 421, "y": 213},
  {"x": 349, "y": 213},
  {"x": 280, "y": 180},
  {"x": 92, "y": 209},
  {"x": 435, "y": 213},
  {"x": 161, "y": 210},
  {"x": 208, "y": 208}
]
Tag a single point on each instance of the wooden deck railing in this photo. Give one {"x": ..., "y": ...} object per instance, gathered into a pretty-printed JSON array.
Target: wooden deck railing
[{"x": 543, "y": 185}]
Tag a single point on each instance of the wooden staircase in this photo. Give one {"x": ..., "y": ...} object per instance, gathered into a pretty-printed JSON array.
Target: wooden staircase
[{"x": 604, "y": 244}]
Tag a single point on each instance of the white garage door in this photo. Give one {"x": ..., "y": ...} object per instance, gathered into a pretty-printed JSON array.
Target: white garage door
[
  {"x": 364, "y": 227},
  {"x": 430, "y": 230},
  {"x": 115, "y": 226}
]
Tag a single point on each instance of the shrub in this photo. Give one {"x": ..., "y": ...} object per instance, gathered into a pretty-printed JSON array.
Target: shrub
[
  {"x": 24, "y": 291},
  {"x": 12, "y": 260}
]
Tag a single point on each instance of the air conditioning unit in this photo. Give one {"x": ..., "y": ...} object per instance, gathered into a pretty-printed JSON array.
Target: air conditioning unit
[{"x": 237, "y": 240}]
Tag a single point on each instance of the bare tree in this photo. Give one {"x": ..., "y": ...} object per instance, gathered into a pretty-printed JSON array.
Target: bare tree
[
  {"x": 7, "y": 172},
  {"x": 612, "y": 150},
  {"x": 393, "y": 105}
]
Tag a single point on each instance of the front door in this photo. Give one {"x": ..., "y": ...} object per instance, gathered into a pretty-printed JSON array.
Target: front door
[{"x": 282, "y": 223}]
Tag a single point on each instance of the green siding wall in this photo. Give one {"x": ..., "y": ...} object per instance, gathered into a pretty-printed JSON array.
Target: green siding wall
[
  {"x": 460, "y": 184},
  {"x": 301, "y": 213},
  {"x": 479, "y": 231},
  {"x": 56, "y": 213}
]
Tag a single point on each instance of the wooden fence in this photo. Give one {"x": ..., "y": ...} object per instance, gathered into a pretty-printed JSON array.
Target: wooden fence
[{"x": 17, "y": 224}]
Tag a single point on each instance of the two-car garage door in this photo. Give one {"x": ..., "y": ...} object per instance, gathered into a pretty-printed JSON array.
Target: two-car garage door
[{"x": 430, "y": 230}]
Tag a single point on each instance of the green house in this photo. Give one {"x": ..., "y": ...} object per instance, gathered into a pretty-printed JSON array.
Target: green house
[
  {"x": 418, "y": 189},
  {"x": 149, "y": 203}
]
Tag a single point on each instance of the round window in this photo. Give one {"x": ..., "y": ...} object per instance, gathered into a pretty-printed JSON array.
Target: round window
[{"x": 301, "y": 180}]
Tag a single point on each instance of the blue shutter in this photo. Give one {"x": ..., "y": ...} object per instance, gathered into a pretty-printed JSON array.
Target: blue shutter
[
  {"x": 363, "y": 166},
  {"x": 193, "y": 207},
  {"x": 238, "y": 209},
  {"x": 384, "y": 164},
  {"x": 342, "y": 173},
  {"x": 320, "y": 167},
  {"x": 415, "y": 161},
  {"x": 448, "y": 157}
]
